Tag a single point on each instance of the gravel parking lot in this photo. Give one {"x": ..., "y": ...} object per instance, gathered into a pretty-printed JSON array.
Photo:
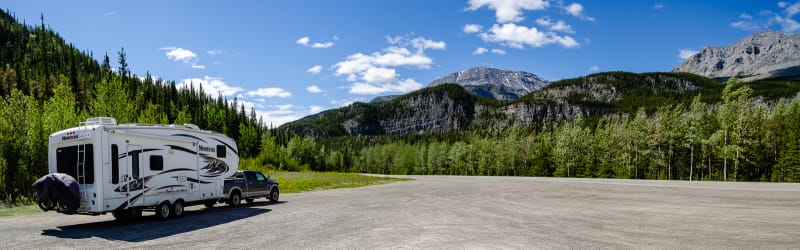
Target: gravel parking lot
[{"x": 456, "y": 212}]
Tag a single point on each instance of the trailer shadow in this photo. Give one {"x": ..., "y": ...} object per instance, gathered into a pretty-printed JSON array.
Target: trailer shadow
[{"x": 149, "y": 228}]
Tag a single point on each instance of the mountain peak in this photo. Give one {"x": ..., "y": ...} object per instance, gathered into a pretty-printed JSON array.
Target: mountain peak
[
  {"x": 761, "y": 55},
  {"x": 494, "y": 83}
]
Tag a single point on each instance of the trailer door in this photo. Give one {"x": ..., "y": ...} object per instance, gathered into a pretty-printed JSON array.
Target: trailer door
[{"x": 134, "y": 178}]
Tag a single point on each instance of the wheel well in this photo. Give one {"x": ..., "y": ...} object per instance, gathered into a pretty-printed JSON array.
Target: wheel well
[{"x": 236, "y": 191}]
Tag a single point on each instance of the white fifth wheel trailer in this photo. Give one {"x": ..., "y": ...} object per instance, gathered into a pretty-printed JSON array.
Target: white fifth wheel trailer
[{"x": 125, "y": 168}]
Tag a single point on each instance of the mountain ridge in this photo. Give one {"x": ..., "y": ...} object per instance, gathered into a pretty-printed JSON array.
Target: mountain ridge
[{"x": 494, "y": 83}]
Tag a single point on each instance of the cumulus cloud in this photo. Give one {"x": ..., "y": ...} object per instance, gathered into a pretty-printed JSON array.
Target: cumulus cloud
[
  {"x": 315, "y": 109},
  {"x": 379, "y": 75},
  {"x": 472, "y": 28},
  {"x": 306, "y": 41},
  {"x": 269, "y": 92},
  {"x": 313, "y": 89},
  {"x": 183, "y": 55},
  {"x": 518, "y": 37},
  {"x": 499, "y": 51},
  {"x": 562, "y": 27},
  {"x": 314, "y": 70},
  {"x": 480, "y": 51},
  {"x": 576, "y": 10},
  {"x": 211, "y": 86},
  {"x": 508, "y": 11},
  {"x": 362, "y": 88},
  {"x": 784, "y": 20},
  {"x": 684, "y": 54}
]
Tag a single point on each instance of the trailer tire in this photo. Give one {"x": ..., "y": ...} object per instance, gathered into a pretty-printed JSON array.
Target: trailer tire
[
  {"x": 163, "y": 210},
  {"x": 177, "y": 209},
  {"x": 274, "y": 194},
  {"x": 235, "y": 199}
]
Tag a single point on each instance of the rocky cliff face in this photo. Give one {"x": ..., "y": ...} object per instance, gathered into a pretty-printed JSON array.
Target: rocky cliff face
[
  {"x": 494, "y": 83},
  {"x": 763, "y": 55}
]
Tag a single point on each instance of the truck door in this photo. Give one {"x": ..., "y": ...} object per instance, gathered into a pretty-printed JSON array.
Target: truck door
[
  {"x": 256, "y": 184},
  {"x": 134, "y": 178}
]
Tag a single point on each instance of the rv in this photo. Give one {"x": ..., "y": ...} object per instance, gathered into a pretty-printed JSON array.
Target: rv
[{"x": 125, "y": 168}]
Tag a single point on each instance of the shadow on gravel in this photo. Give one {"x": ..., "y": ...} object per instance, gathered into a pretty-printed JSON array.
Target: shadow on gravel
[{"x": 149, "y": 228}]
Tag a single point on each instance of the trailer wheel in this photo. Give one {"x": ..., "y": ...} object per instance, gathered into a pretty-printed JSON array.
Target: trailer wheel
[
  {"x": 235, "y": 199},
  {"x": 162, "y": 211},
  {"x": 274, "y": 195},
  {"x": 177, "y": 209}
]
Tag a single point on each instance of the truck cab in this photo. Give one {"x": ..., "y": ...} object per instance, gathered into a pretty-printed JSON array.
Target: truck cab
[{"x": 250, "y": 185}]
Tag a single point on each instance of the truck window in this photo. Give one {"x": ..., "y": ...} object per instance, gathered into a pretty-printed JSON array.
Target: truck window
[
  {"x": 156, "y": 163},
  {"x": 220, "y": 151},
  {"x": 114, "y": 164},
  {"x": 67, "y": 159},
  {"x": 249, "y": 176},
  {"x": 260, "y": 177}
]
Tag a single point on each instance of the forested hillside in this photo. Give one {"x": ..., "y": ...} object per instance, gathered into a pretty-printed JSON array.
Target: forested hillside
[{"x": 47, "y": 85}]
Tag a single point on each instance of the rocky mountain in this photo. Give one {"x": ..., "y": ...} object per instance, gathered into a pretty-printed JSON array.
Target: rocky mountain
[
  {"x": 449, "y": 107},
  {"x": 762, "y": 55},
  {"x": 494, "y": 83}
]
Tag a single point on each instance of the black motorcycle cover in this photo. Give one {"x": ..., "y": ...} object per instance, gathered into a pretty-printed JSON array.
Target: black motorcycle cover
[{"x": 57, "y": 191}]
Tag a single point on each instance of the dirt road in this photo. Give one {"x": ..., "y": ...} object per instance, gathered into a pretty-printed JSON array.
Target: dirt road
[{"x": 456, "y": 212}]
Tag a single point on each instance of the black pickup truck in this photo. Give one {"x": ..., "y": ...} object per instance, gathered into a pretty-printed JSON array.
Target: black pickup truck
[{"x": 249, "y": 185}]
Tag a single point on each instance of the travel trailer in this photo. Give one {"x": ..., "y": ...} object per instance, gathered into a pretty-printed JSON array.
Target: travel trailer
[{"x": 125, "y": 168}]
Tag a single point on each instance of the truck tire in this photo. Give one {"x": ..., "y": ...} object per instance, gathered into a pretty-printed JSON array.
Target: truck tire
[
  {"x": 163, "y": 211},
  {"x": 177, "y": 209},
  {"x": 274, "y": 194},
  {"x": 235, "y": 199}
]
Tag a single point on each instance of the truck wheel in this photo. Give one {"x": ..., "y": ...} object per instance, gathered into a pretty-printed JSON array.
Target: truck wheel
[
  {"x": 274, "y": 195},
  {"x": 249, "y": 200},
  {"x": 235, "y": 199},
  {"x": 177, "y": 209},
  {"x": 162, "y": 211}
]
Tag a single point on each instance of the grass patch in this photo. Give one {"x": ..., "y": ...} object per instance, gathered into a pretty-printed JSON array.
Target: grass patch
[
  {"x": 8, "y": 211},
  {"x": 296, "y": 182}
]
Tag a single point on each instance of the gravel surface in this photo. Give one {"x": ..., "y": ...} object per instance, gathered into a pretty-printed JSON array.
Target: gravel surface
[{"x": 456, "y": 212}]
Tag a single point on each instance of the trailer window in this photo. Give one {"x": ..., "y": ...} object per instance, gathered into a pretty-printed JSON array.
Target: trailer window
[
  {"x": 220, "y": 151},
  {"x": 67, "y": 159},
  {"x": 114, "y": 164},
  {"x": 156, "y": 163},
  {"x": 135, "y": 165}
]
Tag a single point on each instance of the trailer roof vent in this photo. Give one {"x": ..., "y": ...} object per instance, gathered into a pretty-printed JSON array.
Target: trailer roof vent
[
  {"x": 101, "y": 121},
  {"x": 191, "y": 126}
]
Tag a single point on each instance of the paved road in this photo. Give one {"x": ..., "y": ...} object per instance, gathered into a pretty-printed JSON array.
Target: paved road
[{"x": 457, "y": 212}]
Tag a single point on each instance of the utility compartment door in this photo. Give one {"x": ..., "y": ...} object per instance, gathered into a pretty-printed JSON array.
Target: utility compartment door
[{"x": 133, "y": 178}]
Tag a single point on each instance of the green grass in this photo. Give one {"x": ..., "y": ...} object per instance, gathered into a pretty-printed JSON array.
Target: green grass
[
  {"x": 296, "y": 182},
  {"x": 8, "y": 211}
]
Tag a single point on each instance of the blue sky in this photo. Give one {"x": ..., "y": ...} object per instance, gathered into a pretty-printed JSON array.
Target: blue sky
[{"x": 289, "y": 59}]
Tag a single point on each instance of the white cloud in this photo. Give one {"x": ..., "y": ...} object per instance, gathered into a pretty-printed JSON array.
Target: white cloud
[
  {"x": 110, "y": 13},
  {"x": 211, "y": 85},
  {"x": 375, "y": 73},
  {"x": 790, "y": 9},
  {"x": 316, "y": 109},
  {"x": 313, "y": 89},
  {"x": 322, "y": 45},
  {"x": 480, "y": 51},
  {"x": 499, "y": 51},
  {"x": 508, "y": 11},
  {"x": 269, "y": 92},
  {"x": 184, "y": 55},
  {"x": 576, "y": 9},
  {"x": 562, "y": 27},
  {"x": 517, "y": 37},
  {"x": 658, "y": 6},
  {"x": 214, "y": 52},
  {"x": 303, "y": 41},
  {"x": 472, "y": 28},
  {"x": 594, "y": 68},
  {"x": 544, "y": 21},
  {"x": 315, "y": 69},
  {"x": 684, "y": 54},
  {"x": 306, "y": 41},
  {"x": 768, "y": 19},
  {"x": 406, "y": 85},
  {"x": 379, "y": 75}
]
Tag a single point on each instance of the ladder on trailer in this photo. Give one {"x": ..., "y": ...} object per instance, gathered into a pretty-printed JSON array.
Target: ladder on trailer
[{"x": 81, "y": 166}]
